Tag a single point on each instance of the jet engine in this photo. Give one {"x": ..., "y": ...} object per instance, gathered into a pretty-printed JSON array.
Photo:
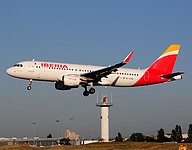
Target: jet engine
[
  {"x": 70, "y": 80},
  {"x": 67, "y": 82}
]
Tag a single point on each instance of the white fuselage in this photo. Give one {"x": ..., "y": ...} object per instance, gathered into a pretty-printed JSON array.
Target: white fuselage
[
  {"x": 50, "y": 71},
  {"x": 68, "y": 76}
]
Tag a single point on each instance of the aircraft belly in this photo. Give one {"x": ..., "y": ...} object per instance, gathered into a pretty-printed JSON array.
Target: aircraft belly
[
  {"x": 46, "y": 75},
  {"x": 40, "y": 75}
]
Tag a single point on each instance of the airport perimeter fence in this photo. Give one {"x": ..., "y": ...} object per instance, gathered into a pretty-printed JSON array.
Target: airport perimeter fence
[{"x": 32, "y": 142}]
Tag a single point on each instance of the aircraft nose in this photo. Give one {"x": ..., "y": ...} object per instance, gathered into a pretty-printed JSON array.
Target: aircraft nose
[{"x": 9, "y": 71}]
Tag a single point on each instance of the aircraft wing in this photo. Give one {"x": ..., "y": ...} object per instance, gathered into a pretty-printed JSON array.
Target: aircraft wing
[{"x": 95, "y": 76}]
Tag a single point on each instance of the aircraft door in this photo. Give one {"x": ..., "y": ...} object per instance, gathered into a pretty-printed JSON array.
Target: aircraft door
[{"x": 31, "y": 66}]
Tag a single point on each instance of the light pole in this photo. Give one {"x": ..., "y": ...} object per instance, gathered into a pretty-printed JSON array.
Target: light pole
[
  {"x": 34, "y": 123},
  {"x": 71, "y": 119},
  {"x": 57, "y": 121}
]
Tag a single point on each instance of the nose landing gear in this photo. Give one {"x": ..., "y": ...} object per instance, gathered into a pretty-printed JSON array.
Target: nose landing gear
[{"x": 30, "y": 85}]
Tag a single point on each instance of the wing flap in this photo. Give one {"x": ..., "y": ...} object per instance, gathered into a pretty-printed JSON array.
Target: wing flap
[{"x": 98, "y": 74}]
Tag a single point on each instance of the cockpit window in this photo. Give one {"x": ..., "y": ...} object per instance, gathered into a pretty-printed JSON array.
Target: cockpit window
[{"x": 18, "y": 65}]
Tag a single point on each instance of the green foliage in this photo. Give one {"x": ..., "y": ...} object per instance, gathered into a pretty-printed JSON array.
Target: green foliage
[
  {"x": 178, "y": 133},
  {"x": 138, "y": 137},
  {"x": 65, "y": 141},
  {"x": 100, "y": 139},
  {"x": 49, "y": 136},
  {"x": 173, "y": 135},
  {"x": 118, "y": 138},
  {"x": 190, "y": 133},
  {"x": 161, "y": 136},
  {"x": 150, "y": 139}
]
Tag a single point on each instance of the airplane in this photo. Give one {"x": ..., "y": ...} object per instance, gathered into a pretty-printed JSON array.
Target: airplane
[{"x": 68, "y": 76}]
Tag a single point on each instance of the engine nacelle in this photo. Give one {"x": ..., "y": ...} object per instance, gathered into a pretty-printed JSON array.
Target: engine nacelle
[
  {"x": 67, "y": 82},
  {"x": 178, "y": 77},
  {"x": 71, "y": 80},
  {"x": 60, "y": 86}
]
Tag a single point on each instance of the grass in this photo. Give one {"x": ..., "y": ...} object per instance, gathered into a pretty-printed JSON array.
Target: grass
[{"x": 104, "y": 146}]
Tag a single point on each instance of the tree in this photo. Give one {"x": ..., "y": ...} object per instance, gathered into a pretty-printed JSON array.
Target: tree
[
  {"x": 161, "y": 135},
  {"x": 190, "y": 133},
  {"x": 49, "y": 136},
  {"x": 173, "y": 135},
  {"x": 100, "y": 139},
  {"x": 138, "y": 137},
  {"x": 150, "y": 139},
  {"x": 65, "y": 141},
  {"x": 178, "y": 133},
  {"x": 118, "y": 138}
]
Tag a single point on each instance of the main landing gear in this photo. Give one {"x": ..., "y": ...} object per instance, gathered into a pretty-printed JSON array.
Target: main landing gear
[
  {"x": 86, "y": 92},
  {"x": 30, "y": 85}
]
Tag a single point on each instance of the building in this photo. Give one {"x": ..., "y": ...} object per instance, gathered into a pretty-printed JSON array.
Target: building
[
  {"x": 73, "y": 136},
  {"x": 104, "y": 108}
]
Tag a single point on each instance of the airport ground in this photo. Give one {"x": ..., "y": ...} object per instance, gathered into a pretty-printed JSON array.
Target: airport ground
[{"x": 105, "y": 146}]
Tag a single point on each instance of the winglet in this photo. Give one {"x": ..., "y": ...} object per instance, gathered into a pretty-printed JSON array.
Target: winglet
[{"x": 126, "y": 60}]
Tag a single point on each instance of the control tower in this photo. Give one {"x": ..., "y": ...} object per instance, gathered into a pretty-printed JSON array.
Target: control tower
[{"x": 104, "y": 105}]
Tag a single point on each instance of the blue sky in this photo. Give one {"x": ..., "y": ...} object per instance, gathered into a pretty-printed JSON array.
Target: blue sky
[{"x": 97, "y": 33}]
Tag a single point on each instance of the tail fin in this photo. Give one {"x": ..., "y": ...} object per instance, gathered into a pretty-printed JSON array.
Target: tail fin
[
  {"x": 165, "y": 63},
  {"x": 161, "y": 70}
]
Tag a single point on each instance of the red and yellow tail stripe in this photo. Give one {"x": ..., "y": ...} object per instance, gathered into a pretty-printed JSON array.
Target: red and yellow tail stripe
[
  {"x": 162, "y": 66},
  {"x": 172, "y": 50}
]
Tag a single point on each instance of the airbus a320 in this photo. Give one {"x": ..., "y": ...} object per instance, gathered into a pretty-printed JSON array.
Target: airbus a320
[{"x": 68, "y": 76}]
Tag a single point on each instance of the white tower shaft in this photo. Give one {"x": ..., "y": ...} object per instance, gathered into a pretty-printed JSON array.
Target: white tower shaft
[{"x": 105, "y": 123}]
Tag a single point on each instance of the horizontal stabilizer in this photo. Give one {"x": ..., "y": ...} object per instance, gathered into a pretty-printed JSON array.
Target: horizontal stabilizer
[{"x": 169, "y": 76}]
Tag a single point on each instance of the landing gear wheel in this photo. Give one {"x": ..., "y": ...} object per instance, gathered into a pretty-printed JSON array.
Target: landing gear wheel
[
  {"x": 91, "y": 90},
  {"x": 86, "y": 93},
  {"x": 29, "y": 88},
  {"x": 30, "y": 84}
]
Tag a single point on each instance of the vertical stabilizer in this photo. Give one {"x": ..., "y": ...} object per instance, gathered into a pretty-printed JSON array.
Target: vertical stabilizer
[
  {"x": 159, "y": 71},
  {"x": 165, "y": 63}
]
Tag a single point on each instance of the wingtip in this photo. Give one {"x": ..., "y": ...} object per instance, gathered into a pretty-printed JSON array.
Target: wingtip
[{"x": 126, "y": 60}]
